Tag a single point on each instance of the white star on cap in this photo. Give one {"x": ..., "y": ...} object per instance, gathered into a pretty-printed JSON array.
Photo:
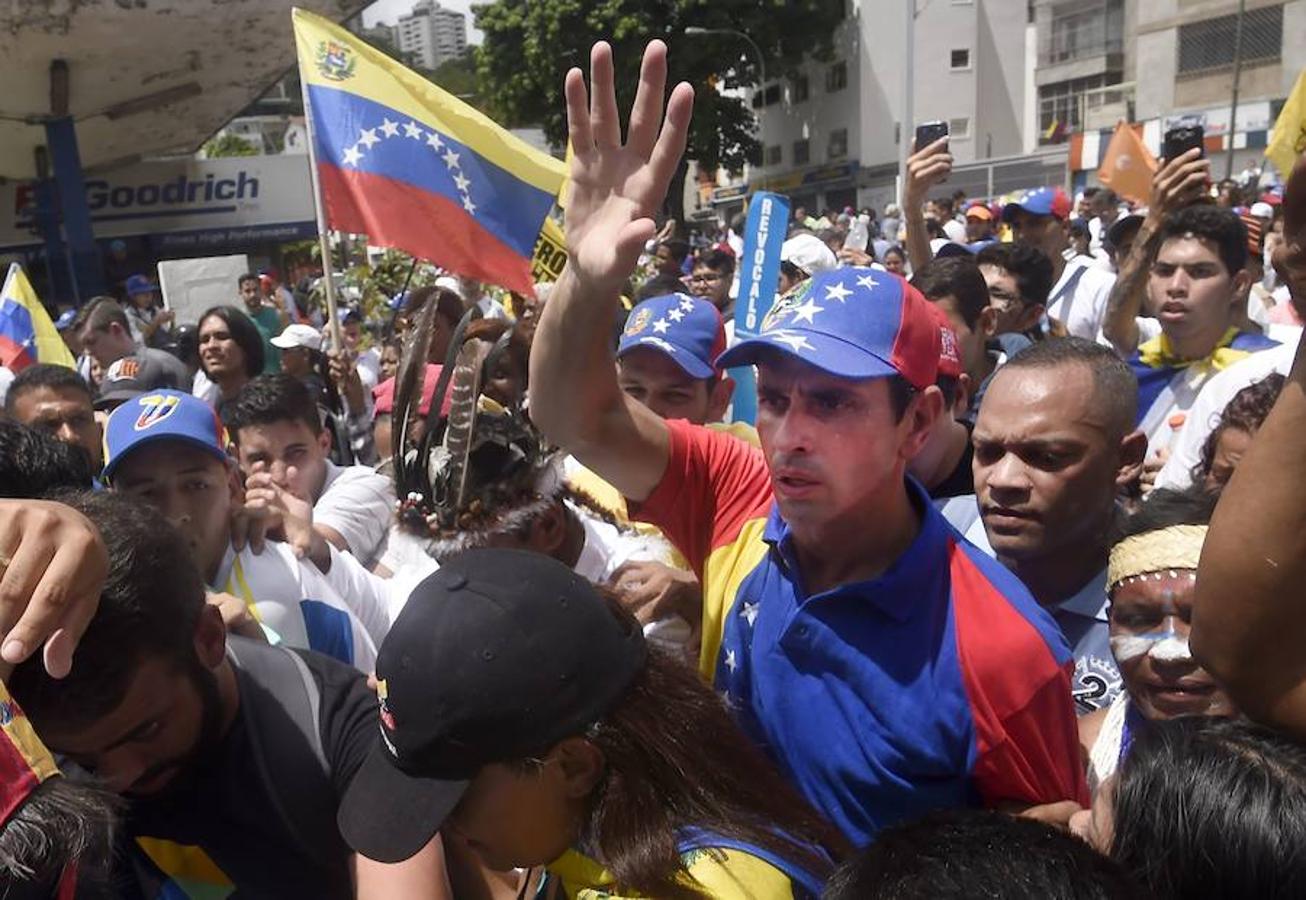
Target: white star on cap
[
  {"x": 867, "y": 281},
  {"x": 749, "y": 612},
  {"x": 687, "y": 305},
  {"x": 661, "y": 326},
  {"x": 434, "y": 140},
  {"x": 837, "y": 291},
  {"x": 675, "y": 314},
  {"x": 793, "y": 341},
  {"x": 352, "y": 156},
  {"x": 390, "y": 129},
  {"x": 658, "y": 342},
  {"x": 367, "y": 137},
  {"x": 731, "y": 662},
  {"x": 468, "y": 204},
  {"x": 807, "y": 311},
  {"x": 462, "y": 181}
]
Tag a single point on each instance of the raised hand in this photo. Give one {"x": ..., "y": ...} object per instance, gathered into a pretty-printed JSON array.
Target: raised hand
[
  {"x": 52, "y": 567},
  {"x": 1179, "y": 182},
  {"x": 926, "y": 167},
  {"x": 616, "y": 188}
]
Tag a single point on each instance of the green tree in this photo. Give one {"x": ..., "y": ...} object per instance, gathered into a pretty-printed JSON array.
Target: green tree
[
  {"x": 458, "y": 77},
  {"x": 530, "y": 44},
  {"x": 229, "y": 144}
]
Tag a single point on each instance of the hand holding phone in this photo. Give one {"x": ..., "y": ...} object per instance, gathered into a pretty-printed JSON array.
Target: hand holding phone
[{"x": 929, "y": 132}]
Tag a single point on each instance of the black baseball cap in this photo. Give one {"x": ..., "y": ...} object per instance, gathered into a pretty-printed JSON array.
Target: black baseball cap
[{"x": 495, "y": 658}]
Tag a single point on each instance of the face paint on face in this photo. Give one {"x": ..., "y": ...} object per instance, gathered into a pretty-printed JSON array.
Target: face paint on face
[{"x": 1162, "y": 646}]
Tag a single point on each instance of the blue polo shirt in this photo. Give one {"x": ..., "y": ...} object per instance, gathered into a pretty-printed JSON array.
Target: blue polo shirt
[{"x": 941, "y": 683}]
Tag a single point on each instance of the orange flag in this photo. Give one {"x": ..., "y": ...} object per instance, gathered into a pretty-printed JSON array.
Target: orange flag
[{"x": 1128, "y": 166}]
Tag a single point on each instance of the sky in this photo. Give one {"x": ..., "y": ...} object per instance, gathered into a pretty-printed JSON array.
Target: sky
[{"x": 389, "y": 11}]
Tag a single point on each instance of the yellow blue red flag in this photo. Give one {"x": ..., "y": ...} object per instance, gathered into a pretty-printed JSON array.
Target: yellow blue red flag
[
  {"x": 27, "y": 336},
  {"x": 413, "y": 167}
]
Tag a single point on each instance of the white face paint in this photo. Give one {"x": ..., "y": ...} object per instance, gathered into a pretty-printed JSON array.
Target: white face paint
[{"x": 1162, "y": 646}]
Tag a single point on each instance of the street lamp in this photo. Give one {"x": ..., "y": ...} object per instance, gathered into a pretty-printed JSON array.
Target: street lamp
[{"x": 761, "y": 61}]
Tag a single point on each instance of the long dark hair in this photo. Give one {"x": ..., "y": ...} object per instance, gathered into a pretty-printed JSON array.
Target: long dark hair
[
  {"x": 1245, "y": 412},
  {"x": 244, "y": 332},
  {"x": 1212, "y": 808},
  {"x": 676, "y": 760}
]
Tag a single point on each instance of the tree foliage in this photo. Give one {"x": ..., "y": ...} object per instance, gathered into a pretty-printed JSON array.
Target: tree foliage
[
  {"x": 229, "y": 144},
  {"x": 530, "y": 44}
]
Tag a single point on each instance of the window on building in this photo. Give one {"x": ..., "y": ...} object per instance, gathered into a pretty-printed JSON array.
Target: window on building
[
  {"x": 1061, "y": 105},
  {"x": 774, "y": 155},
  {"x": 1084, "y": 28},
  {"x": 802, "y": 152},
  {"x": 1208, "y": 46},
  {"x": 836, "y": 77},
  {"x": 838, "y": 143},
  {"x": 767, "y": 96},
  {"x": 959, "y": 128},
  {"x": 960, "y": 60},
  {"x": 800, "y": 90}
]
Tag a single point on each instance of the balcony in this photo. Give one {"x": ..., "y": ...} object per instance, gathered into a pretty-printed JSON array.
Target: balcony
[{"x": 1079, "y": 40}]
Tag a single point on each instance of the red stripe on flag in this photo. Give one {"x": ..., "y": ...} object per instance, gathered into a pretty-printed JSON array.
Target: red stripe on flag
[
  {"x": 15, "y": 357},
  {"x": 394, "y": 214}
]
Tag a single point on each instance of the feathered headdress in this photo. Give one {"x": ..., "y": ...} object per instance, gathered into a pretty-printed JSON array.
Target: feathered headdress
[{"x": 482, "y": 469}]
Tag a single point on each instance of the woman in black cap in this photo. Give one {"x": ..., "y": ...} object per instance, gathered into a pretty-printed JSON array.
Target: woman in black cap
[{"x": 523, "y": 712}]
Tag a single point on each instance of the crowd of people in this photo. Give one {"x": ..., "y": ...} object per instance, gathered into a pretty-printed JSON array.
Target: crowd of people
[{"x": 492, "y": 599}]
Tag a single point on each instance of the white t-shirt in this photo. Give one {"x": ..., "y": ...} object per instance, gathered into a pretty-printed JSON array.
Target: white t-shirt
[
  {"x": 343, "y": 613},
  {"x": 956, "y": 231},
  {"x": 606, "y": 549},
  {"x": 1079, "y": 298},
  {"x": 205, "y": 389},
  {"x": 1186, "y": 450},
  {"x": 359, "y": 503}
]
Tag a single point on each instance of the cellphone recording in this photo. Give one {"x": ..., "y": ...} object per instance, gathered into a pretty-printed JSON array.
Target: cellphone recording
[
  {"x": 929, "y": 132},
  {"x": 1182, "y": 137}
]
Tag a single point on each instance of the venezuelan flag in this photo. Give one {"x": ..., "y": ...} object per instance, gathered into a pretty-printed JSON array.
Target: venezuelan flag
[
  {"x": 27, "y": 335},
  {"x": 413, "y": 167}
]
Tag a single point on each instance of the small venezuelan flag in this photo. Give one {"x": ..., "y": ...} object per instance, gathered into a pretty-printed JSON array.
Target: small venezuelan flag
[
  {"x": 413, "y": 167},
  {"x": 27, "y": 336}
]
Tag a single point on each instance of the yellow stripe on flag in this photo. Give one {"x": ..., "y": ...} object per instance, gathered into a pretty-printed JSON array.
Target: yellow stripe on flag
[
  {"x": 369, "y": 73},
  {"x": 49, "y": 345},
  {"x": 1289, "y": 138}
]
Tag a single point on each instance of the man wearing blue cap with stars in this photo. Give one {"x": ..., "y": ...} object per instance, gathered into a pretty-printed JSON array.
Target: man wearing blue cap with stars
[
  {"x": 1080, "y": 287},
  {"x": 886, "y": 666}
]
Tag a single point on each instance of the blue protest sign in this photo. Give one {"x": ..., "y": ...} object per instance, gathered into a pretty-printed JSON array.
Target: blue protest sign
[{"x": 759, "y": 273}]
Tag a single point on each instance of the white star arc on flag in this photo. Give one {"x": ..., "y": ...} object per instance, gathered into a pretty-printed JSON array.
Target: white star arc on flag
[{"x": 368, "y": 138}]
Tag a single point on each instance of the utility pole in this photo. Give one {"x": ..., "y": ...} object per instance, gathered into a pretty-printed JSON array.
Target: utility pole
[{"x": 1237, "y": 72}]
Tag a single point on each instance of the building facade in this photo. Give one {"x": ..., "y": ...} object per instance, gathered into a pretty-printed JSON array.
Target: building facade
[
  {"x": 431, "y": 34},
  {"x": 832, "y": 134}
]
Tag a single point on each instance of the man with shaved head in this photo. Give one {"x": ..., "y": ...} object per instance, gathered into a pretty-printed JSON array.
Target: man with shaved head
[{"x": 1054, "y": 444}]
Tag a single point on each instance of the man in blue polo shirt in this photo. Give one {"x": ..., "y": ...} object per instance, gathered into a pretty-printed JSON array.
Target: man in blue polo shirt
[{"x": 886, "y": 666}]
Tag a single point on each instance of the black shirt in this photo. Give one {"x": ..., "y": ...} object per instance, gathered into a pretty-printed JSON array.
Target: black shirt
[{"x": 226, "y": 809}]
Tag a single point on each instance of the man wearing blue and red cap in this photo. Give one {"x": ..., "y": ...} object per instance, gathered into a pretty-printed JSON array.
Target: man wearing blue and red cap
[
  {"x": 886, "y": 666},
  {"x": 1080, "y": 287}
]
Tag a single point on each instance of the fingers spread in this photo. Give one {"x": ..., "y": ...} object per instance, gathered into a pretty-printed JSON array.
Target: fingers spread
[
  {"x": 604, "y": 119},
  {"x": 578, "y": 113},
  {"x": 646, "y": 113}
]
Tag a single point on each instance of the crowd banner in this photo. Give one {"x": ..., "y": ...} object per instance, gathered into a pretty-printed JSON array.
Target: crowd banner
[
  {"x": 550, "y": 253},
  {"x": 413, "y": 167},
  {"x": 759, "y": 275}
]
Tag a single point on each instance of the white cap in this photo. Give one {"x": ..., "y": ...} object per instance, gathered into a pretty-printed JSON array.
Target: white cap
[
  {"x": 809, "y": 253},
  {"x": 1262, "y": 210},
  {"x": 298, "y": 336},
  {"x": 449, "y": 283}
]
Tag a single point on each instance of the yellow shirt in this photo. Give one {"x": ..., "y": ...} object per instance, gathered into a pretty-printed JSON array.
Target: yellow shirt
[{"x": 724, "y": 874}]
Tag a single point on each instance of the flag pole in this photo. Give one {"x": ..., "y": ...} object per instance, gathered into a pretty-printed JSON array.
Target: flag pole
[{"x": 323, "y": 234}]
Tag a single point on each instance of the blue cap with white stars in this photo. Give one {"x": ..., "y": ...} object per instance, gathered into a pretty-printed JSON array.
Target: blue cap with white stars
[
  {"x": 686, "y": 329},
  {"x": 853, "y": 323}
]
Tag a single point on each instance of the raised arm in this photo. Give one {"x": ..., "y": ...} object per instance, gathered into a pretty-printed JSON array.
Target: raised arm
[
  {"x": 1177, "y": 184},
  {"x": 1249, "y": 630},
  {"x": 614, "y": 191},
  {"x": 926, "y": 167}
]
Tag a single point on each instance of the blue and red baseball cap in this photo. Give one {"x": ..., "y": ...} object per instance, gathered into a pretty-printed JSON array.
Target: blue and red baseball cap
[
  {"x": 1044, "y": 201},
  {"x": 851, "y": 322},
  {"x": 158, "y": 416},
  {"x": 688, "y": 330}
]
